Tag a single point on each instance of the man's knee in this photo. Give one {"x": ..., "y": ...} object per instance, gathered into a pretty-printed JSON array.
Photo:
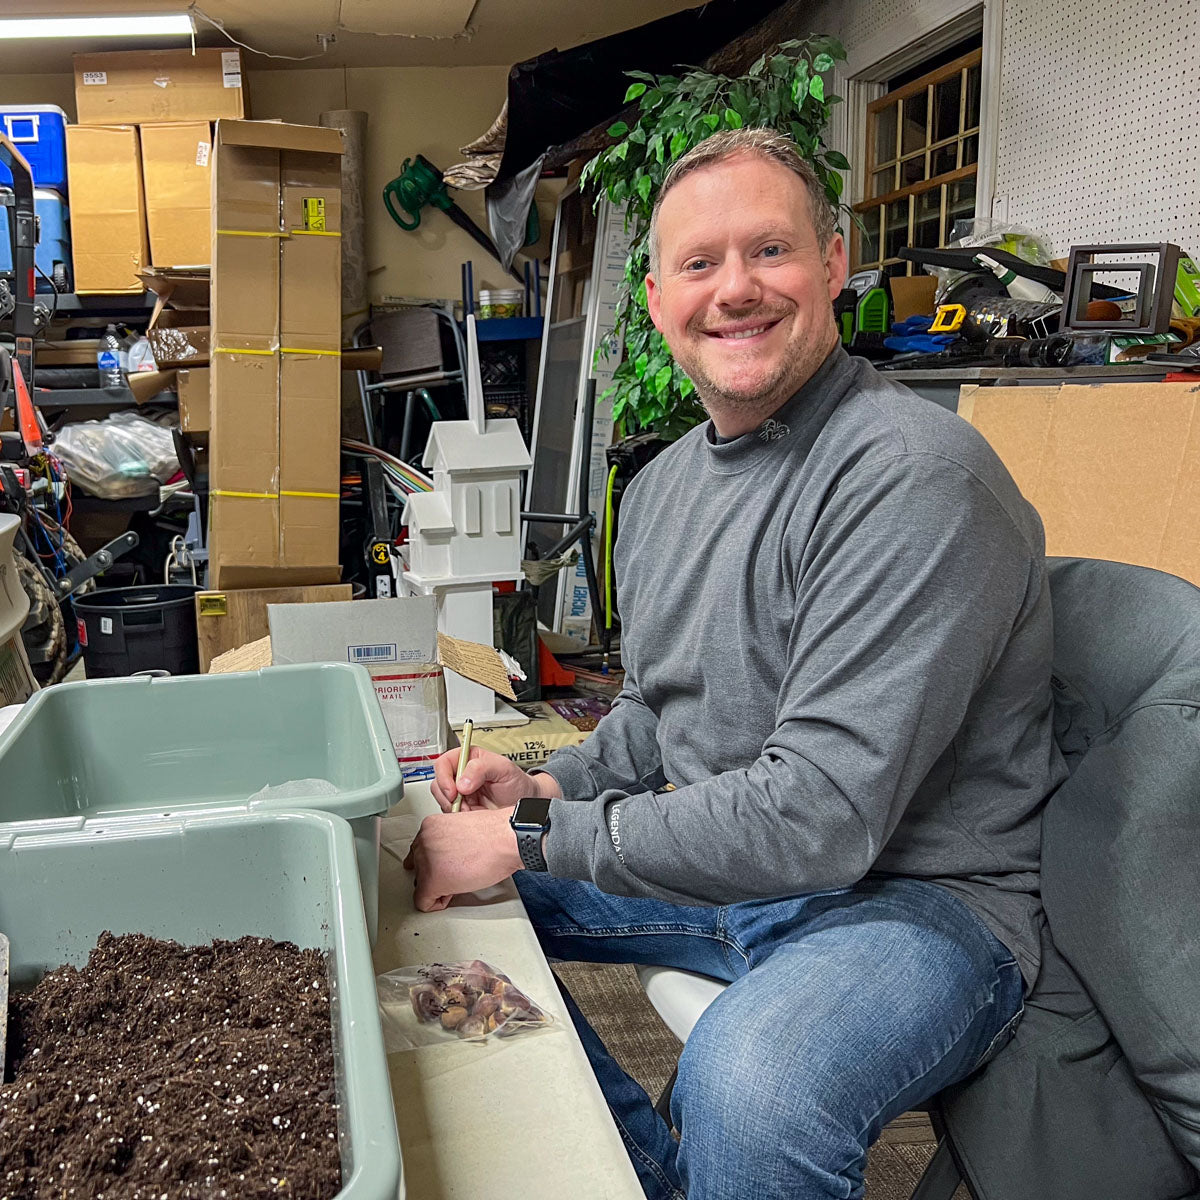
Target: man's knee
[{"x": 766, "y": 1097}]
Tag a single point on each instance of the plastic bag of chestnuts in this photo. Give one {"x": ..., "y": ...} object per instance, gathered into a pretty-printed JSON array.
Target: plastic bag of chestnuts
[{"x": 428, "y": 1005}]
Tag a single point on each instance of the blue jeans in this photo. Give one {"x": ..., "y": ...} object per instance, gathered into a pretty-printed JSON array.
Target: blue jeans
[{"x": 846, "y": 1008}]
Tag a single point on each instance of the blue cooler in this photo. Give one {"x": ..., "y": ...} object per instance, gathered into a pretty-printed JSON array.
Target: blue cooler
[
  {"x": 53, "y": 253},
  {"x": 39, "y": 132}
]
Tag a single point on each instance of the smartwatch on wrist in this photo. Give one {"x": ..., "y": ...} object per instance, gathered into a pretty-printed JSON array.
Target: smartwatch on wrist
[{"x": 530, "y": 821}]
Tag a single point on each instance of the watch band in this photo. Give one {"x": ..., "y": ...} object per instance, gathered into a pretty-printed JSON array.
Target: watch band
[{"x": 529, "y": 844}]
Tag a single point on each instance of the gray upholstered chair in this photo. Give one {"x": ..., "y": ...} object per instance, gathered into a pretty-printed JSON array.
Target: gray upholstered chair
[{"x": 1098, "y": 1094}]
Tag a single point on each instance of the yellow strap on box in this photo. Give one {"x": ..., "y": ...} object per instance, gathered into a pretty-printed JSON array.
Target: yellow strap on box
[
  {"x": 315, "y": 495},
  {"x": 230, "y": 350},
  {"x": 277, "y": 233},
  {"x": 244, "y": 495},
  {"x": 315, "y": 232},
  {"x": 301, "y": 350}
]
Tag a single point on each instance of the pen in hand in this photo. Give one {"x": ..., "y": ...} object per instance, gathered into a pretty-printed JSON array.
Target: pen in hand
[{"x": 463, "y": 755}]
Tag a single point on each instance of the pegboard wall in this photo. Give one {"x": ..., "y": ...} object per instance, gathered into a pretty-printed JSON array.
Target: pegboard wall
[{"x": 1098, "y": 137}]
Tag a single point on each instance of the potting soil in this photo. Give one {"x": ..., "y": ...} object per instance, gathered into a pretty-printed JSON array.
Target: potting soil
[{"x": 174, "y": 1073}]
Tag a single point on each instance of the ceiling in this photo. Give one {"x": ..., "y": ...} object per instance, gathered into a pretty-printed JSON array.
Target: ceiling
[{"x": 365, "y": 33}]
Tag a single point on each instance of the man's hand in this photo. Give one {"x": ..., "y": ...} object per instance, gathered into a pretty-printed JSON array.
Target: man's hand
[
  {"x": 461, "y": 852},
  {"x": 490, "y": 781}
]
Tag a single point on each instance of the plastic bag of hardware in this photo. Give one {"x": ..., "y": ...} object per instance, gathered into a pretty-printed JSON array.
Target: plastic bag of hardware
[
  {"x": 123, "y": 456},
  {"x": 445, "y": 1002}
]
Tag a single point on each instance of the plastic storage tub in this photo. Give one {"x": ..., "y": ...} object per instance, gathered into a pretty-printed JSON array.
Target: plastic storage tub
[
  {"x": 111, "y": 747},
  {"x": 53, "y": 252},
  {"x": 39, "y": 133},
  {"x": 286, "y": 875}
]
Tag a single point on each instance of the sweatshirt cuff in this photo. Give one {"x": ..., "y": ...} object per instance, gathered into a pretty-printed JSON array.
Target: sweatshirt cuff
[
  {"x": 571, "y": 843},
  {"x": 572, "y": 775}
]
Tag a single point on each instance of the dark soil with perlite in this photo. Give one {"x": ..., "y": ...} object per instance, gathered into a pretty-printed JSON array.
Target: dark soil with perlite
[{"x": 173, "y": 1073}]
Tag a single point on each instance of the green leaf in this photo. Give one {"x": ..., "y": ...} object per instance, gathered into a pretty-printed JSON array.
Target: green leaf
[
  {"x": 655, "y": 146},
  {"x": 679, "y": 141},
  {"x": 639, "y": 364},
  {"x": 618, "y": 129},
  {"x": 686, "y": 387},
  {"x": 836, "y": 159},
  {"x": 821, "y": 63},
  {"x": 636, "y": 89},
  {"x": 644, "y": 184},
  {"x": 816, "y": 89},
  {"x": 712, "y": 121},
  {"x": 781, "y": 67},
  {"x": 835, "y": 181},
  {"x": 733, "y": 119},
  {"x": 759, "y": 66},
  {"x": 661, "y": 378},
  {"x": 640, "y": 75}
]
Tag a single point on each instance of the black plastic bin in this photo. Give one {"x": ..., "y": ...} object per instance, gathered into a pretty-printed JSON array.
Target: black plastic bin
[{"x": 139, "y": 629}]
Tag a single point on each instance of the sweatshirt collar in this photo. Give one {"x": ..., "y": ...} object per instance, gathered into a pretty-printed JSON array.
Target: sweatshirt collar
[{"x": 791, "y": 421}]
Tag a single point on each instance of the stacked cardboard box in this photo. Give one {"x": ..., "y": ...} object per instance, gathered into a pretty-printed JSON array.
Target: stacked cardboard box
[
  {"x": 275, "y": 356},
  {"x": 139, "y": 161}
]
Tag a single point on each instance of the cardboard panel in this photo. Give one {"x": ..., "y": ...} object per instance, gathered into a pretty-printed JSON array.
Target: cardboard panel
[
  {"x": 142, "y": 86},
  {"x": 309, "y": 424},
  {"x": 192, "y": 387},
  {"x": 108, "y": 218},
  {"x": 177, "y": 173},
  {"x": 243, "y": 546},
  {"x": 244, "y": 438},
  {"x": 1113, "y": 469}
]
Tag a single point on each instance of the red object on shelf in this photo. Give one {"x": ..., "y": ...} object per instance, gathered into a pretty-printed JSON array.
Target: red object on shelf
[
  {"x": 553, "y": 673},
  {"x": 504, "y": 586}
]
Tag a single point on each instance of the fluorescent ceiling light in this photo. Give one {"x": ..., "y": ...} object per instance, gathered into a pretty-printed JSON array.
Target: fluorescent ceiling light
[{"x": 155, "y": 25}]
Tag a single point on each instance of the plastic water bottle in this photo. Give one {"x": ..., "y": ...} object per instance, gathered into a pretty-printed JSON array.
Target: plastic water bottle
[{"x": 108, "y": 361}]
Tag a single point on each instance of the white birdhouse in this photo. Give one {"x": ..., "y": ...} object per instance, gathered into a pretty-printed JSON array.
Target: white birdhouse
[{"x": 465, "y": 535}]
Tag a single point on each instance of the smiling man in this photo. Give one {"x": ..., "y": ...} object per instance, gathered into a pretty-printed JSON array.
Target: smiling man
[{"x": 836, "y": 641}]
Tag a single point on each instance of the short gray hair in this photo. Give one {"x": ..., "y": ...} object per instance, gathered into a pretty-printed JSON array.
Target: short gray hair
[{"x": 757, "y": 143}]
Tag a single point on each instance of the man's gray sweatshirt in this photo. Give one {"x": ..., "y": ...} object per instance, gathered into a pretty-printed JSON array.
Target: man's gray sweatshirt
[{"x": 837, "y": 641}]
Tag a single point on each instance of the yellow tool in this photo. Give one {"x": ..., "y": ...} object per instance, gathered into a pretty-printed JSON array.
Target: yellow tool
[{"x": 949, "y": 319}]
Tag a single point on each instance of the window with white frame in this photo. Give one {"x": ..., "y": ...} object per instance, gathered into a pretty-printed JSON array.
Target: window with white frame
[{"x": 922, "y": 159}]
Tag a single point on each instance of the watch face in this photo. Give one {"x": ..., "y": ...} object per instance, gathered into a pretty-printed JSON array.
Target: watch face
[{"x": 531, "y": 811}]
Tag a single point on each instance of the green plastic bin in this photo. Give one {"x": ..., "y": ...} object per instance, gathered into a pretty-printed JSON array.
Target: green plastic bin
[
  {"x": 108, "y": 746},
  {"x": 285, "y": 875}
]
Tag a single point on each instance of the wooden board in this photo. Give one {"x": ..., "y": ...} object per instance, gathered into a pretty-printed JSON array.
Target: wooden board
[{"x": 228, "y": 619}]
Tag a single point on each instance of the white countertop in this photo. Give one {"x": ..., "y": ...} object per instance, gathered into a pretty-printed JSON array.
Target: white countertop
[{"x": 524, "y": 1118}]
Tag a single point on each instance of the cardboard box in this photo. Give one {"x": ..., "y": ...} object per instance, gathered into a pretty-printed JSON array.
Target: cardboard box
[
  {"x": 276, "y": 370},
  {"x": 180, "y": 338},
  {"x": 531, "y": 745},
  {"x": 397, "y": 641},
  {"x": 191, "y": 386},
  {"x": 1113, "y": 469},
  {"x": 108, "y": 216},
  {"x": 135, "y": 87},
  {"x": 177, "y": 178}
]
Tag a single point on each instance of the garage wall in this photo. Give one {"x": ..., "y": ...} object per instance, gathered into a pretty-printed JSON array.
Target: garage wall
[
  {"x": 412, "y": 110},
  {"x": 1096, "y": 137}
]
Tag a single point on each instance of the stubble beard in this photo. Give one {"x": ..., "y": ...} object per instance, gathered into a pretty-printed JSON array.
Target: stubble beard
[{"x": 796, "y": 366}]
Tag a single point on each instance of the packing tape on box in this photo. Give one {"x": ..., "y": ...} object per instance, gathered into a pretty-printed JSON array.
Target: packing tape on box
[
  {"x": 274, "y": 495},
  {"x": 281, "y": 350},
  {"x": 251, "y": 233},
  {"x": 312, "y": 233}
]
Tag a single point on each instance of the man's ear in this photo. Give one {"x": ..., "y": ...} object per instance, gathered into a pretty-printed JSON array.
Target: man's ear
[
  {"x": 836, "y": 265},
  {"x": 654, "y": 302}
]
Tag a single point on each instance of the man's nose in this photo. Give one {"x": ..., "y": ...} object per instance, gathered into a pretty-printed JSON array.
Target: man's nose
[{"x": 737, "y": 285}]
